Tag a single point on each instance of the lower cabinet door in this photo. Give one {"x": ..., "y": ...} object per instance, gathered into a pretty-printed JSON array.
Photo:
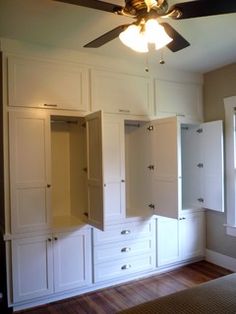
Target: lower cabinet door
[
  {"x": 32, "y": 267},
  {"x": 168, "y": 250},
  {"x": 192, "y": 235},
  {"x": 72, "y": 260}
]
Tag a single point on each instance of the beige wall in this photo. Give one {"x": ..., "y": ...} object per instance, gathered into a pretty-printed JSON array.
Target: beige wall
[{"x": 219, "y": 84}]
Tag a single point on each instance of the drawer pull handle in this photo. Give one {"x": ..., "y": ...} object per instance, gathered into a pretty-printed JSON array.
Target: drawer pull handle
[
  {"x": 50, "y": 105},
  {"x": 125, "y": 231},
  {"x": 127, "y": 266},
  {"x": 126, "y": 249},
  {"x": 124, "y": 110}
]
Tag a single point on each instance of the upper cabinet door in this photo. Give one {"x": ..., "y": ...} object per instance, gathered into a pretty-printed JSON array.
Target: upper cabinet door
[
  {"x": 121, "y": 93},
  {"x": 166, "y": 185},
  {"x": 29, "y": 139},
  {"x": 213, "y": 173},
  {"x": 94, "y": 137},
  {"x": 47, "y": 84},
  {"x": 177, "y": 98}
]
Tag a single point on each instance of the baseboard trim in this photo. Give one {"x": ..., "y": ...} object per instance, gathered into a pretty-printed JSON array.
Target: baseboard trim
[{"x": 221, "y": 260}]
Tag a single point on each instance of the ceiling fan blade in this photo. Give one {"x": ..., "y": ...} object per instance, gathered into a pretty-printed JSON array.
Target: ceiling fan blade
[
  {"x": 105, "y": 38},
  {"x": 95, "y": 4},
  {"x": 178, "y": 42},
  {"x": 201, "y": 8}
]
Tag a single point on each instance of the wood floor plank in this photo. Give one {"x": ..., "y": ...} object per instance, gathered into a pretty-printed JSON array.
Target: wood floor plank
[{"x": 114, "y": 299}]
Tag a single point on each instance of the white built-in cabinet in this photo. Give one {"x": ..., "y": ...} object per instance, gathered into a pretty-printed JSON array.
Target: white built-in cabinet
[
  {"x": 178, "y": 98},
  {"x": 33, "y": 82},
  {"x": 124, "y": 93},
  {"x": 138, "y": 181},
  {"x": 187, "y": 240},
  {"x": 30, "y": 179},
  {"x": 50, "y": 263}
]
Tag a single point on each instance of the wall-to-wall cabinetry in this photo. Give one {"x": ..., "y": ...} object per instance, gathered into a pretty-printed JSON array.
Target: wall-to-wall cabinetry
[{"x": 74, "y": 169}]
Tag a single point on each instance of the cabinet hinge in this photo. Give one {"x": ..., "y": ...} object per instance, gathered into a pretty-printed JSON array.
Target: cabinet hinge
[
  {"x": 150, "y": 128},
  {"x": 201, "y": 200},
  {"x": 199, "y": 130},
  {"x": 151, "y": 167}
]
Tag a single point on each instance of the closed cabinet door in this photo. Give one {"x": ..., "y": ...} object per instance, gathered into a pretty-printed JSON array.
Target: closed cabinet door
[
  {"x": 192, "y": 235},
  {"x": 29, "y": 140},
  {"x": 47, "y": 84},
  {"x": 168, "y": 249},
  {"x": 32, "y": 268},
  {"x": 121, "y": 93},
  {"x": 72, "y": 260}
]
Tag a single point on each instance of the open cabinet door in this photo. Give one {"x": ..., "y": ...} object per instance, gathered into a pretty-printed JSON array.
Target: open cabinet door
[
  {"x": 166, "y": 180},
  {"x": 213, "y": 175},
  {"x": 95, "y": 169}
]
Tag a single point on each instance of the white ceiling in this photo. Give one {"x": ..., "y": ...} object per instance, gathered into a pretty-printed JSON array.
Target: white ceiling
[{"x": 47, "y": 22}]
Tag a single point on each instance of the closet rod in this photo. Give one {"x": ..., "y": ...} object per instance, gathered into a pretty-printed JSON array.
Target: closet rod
[
  {"x": 64, "y": 121},
  {"x": 136, "y": 125}
]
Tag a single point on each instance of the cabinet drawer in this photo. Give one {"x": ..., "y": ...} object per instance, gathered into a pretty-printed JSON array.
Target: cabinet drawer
[
  {"x": 123, "y": 267},
  {"x": 123, "y": 232},
  {"x": 123, "y": 249}
]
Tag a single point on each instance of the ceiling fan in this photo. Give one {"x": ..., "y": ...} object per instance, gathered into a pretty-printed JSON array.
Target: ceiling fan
[{"x": 134, "y": 35}]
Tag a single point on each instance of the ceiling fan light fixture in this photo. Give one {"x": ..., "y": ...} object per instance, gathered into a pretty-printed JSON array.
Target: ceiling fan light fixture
[
  {"x": 156, "y": 34},
  {"x": 134, "y": 38},
  {"x": 137, "y": 37}
]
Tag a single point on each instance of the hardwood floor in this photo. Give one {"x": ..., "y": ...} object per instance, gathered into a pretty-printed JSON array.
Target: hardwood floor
[{"x": 116, "y": 298}]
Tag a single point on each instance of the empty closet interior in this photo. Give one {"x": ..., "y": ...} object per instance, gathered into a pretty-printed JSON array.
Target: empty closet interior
[
  {"x": 137, "y": 172},
  {"x": 68, "y": 170}
]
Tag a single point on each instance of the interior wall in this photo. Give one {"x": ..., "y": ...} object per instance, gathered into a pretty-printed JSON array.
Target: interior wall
[{"x": 219, "y": 84}]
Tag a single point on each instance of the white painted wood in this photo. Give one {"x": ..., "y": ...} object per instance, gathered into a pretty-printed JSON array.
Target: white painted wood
[
  {"x": 192, "y": 235},
  {"x": 124, "y": 232},
  {"x": 121, "y": 249},
  {"x": 123, "y": 267},
  {"x": 166, "y": 177},
  {"x": 47, "y": 84},
  {"x": 192, "y": 173},
  {"x": 168, "y": 248},
  {"x": 138, "y": 176},
  {"x": 213, "y": 171},
  {"x": 69, "y": 180},
  {"x": 32, "y": 268},
  {"x": 114, "y": 168},
  {"x": 116, "y": 92},
  {"x": 178, "y": 98},
  {"x": 29, "y": 140},
  {"x": 221, "y": 260},
  {"x": 72, "y": 260},
  {"x": 230, "y": 141},
  {"x": 94, "y": 136}
]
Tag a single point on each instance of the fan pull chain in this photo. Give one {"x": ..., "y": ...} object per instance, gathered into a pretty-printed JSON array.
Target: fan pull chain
[
  {"x": 146, "y": 64},
  {"x": 162, "y": 61}
]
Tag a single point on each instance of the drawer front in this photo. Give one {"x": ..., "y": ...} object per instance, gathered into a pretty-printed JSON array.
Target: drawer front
[
  {"x": 123, "y": 267},
  {"x": 127, "y": 231},
  {"x": 109, "y": 252}
]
